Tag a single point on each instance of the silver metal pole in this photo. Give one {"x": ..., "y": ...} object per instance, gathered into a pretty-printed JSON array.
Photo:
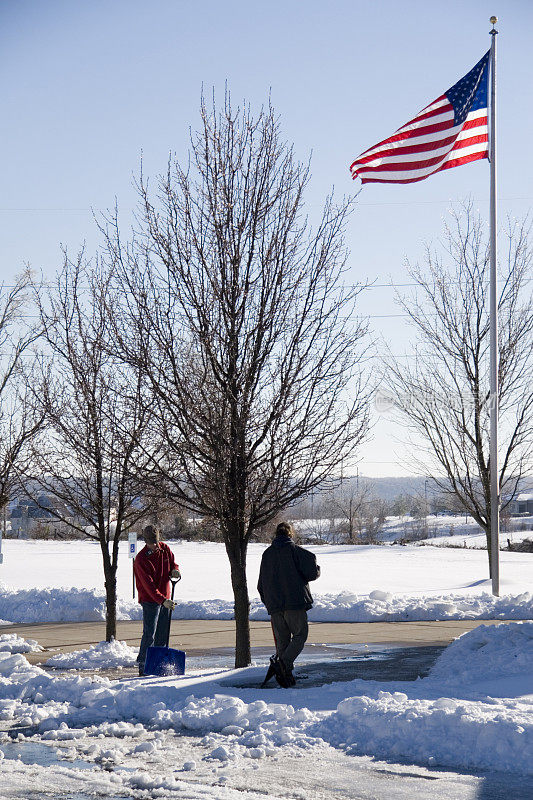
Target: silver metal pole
[{"x": 494, "y": 468}]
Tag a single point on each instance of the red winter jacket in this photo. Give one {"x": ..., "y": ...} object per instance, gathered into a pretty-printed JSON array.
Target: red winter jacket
[{"x": 152, "y": 573}]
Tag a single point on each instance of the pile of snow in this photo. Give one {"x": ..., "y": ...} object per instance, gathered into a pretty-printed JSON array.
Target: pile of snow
[
  {"x": 446, "y": 731},
  {"x": 483, "y": 733},
  {"x": 425, "y": 721},
  {"x": 486, "y": 652},
  {"x": 382, "y": 606},
  {"x": 88, "y": 605},
  {"x": 11, "y": 643},
  {"x": 108, "y": 655}
]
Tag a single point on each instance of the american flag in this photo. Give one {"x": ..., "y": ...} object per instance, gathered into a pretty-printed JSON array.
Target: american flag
[{"x": 451, "y": 131}]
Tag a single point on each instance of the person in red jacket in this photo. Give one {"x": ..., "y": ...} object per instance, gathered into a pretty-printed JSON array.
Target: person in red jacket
[{"x": 153, "y": 566}]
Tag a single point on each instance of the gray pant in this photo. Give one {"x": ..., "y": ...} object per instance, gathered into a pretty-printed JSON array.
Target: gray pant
[
  {"x": 290, "y": 630},
  {"x": 155, "y": 628}
]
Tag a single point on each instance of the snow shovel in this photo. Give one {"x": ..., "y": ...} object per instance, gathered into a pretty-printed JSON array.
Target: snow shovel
[{"x": 165, "y": 661}]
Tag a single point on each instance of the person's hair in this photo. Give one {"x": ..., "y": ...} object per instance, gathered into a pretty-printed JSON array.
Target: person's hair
[
  {"x": 151, "y": 533},
  {"x": 284, "y": 529}
]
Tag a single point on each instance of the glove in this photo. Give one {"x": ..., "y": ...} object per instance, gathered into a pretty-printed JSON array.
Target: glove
[
  {"x": 170, "y": 604},
  {"x": 176, "y": 574}
]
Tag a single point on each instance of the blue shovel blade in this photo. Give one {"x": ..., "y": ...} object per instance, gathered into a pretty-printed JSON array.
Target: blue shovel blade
[{"x": 164, "y": 661}]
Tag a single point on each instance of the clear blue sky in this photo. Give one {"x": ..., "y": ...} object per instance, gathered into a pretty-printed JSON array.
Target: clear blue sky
[{"x": 86, "y": 85}]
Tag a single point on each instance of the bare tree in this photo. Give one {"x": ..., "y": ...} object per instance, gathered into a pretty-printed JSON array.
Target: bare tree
[
  {"x": 88, "y": 456},
  {"x": 249, "y": 343},
  {"x": 443, "y": 395},
  {"x": 348, "y": 502},
  {"x": 19, "y": 421}
]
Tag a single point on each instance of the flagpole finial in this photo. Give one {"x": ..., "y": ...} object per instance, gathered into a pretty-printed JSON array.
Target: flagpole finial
[{"x": 493, "y": 21}]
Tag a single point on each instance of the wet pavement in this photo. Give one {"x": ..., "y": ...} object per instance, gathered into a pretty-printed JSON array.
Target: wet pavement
[
  {"x": 318, "y": 664},
  {"x": 335, "y": 663},
  {"x": 28, "y": 751}
]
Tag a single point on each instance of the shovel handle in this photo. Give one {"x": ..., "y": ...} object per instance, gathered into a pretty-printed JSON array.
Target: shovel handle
[{"x": 173, "y": 581}]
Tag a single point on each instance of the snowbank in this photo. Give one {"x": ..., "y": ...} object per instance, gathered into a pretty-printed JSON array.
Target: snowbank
[
  {"x": 456, "y": 733},
  {"x": 382, "y": 606},
  {"x": 487, "y": 733},
  {"x": 88, "y": 605},
  {"x": 57, "y": 605},
  {"x": 41, "y": 581}
]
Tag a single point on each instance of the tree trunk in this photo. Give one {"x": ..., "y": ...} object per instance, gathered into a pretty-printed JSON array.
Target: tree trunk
[
  {"x": 242, "y": 626},
  {"x": 110, "y": 573},
  {"x": 242, "y": 608}
]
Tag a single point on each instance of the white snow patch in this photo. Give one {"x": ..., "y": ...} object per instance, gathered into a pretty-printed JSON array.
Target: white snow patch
[
  {"x": 60, "y": 605},
  {"x": 11, "y": 643},
  {"x": 99, "y": 656},
  {"x": 357, "y": 583}
]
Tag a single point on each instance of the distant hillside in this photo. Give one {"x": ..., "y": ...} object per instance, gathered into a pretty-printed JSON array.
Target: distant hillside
[
  {"x": 386, "y": 489},
  {"x": 389, "y": 488},
  {"x": 318, "y": 503}
]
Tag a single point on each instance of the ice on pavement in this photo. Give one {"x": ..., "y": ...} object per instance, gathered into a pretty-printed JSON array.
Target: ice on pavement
[{"x": 444, "y": 719}]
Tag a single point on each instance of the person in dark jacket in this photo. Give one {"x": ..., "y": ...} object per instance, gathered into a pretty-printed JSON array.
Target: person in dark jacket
[
  {"x": 283, "y": 586},
  {"x": 153, "y": 566}
]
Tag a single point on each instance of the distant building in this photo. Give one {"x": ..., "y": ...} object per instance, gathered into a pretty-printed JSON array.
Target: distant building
[
  {"x": 522, "y": 504},
  {"x": 26, "y": 514}
]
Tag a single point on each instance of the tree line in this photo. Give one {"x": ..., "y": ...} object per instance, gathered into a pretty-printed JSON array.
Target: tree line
[{"x": 215, "y": 359}]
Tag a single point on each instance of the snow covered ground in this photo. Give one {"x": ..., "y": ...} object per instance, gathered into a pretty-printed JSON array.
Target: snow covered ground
[
  {"x": 455, "y": 530},
  {"x": 473, "y": 713},
  {"x": 62, "y": 581},
  {"x": 213, "y": 734}
]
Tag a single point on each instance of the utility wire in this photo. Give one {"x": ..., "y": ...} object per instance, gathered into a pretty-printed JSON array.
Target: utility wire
[{"x": 448, "y": 200}]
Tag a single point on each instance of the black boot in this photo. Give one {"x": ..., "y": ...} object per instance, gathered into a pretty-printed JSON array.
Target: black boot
[
  {"x": 290, "y": 677},
  {"x": 280, "y": 672},
  {"x": 287, "y": 673}
]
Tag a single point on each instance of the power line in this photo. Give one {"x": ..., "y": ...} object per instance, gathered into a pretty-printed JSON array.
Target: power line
[
  {"x": 385, "y": 316},
  {"x": 49, "y": 210},
  {"x": 438, "y": 202},
  {"x": 369, "y": 205}
]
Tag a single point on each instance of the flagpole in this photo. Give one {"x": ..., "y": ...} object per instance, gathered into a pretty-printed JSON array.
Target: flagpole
[{"x": 494, "y": 390}]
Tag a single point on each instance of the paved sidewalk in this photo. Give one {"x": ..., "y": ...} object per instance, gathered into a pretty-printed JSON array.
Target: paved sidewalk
[{"x": 209, "y": 636}]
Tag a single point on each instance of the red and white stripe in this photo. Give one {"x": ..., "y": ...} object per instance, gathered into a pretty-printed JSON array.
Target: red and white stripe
[{"x": 427, "y": 144}]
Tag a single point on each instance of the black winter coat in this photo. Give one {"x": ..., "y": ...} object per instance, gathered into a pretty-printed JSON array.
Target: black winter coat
[{"x": 284, "y": 575}]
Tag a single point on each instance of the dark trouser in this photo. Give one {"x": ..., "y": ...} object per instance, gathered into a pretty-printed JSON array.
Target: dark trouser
[
  {"x": 155, "y": 628},
  {"x": 290, "y": 630}
]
